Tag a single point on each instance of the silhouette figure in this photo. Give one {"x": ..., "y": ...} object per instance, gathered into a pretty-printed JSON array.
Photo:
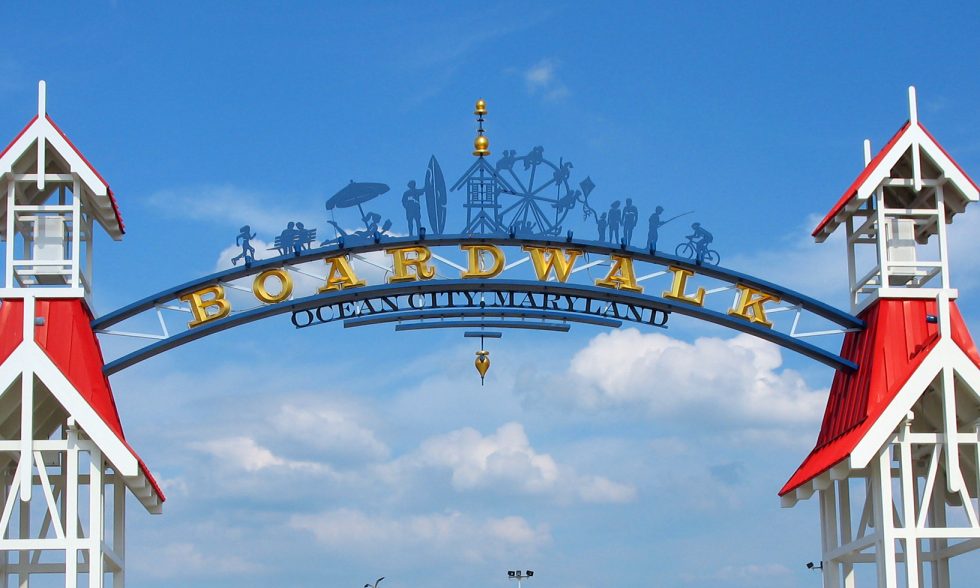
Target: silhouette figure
[
  {"x": 654, "y": 230},
  {"x": 287, "y": 239},
  {"x": 615, "y": 219},
  {"x": 630, "y": 217},
  {"x": 304, "y": 237},
  {"x": 243, "y": 239},
  {"x": 567, "y": 202},
  {"x": 507, "y": 160},
  {"x": 602, "y": 223},
  {"x": 411, "y": 200},
  {"x": 535, "y": 157},
  {"x": 561, "y": 174},
  {"x": 701, "y": 238}
]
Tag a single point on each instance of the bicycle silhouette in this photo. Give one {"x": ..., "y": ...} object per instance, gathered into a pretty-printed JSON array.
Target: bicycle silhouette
[{"x": 694, "y": 250}]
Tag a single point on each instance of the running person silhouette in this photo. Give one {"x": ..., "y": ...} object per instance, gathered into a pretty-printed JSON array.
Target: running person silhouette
[{"x": 243, "y": 240}]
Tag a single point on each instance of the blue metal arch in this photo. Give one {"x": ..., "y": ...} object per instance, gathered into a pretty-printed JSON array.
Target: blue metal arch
[{"x": 824, "y": 310}]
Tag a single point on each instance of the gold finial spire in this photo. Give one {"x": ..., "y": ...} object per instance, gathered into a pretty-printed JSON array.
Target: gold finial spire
[{"x": 481, "y": 145}]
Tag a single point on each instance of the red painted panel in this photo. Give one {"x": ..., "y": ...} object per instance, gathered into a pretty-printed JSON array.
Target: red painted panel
[
  {"x": 896, "y": 341},
  {"x": 67, "y": 338},
  {"x": 11, "y": 327}
]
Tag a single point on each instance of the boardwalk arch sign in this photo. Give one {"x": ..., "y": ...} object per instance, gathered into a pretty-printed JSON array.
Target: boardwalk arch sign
[{"x": 896, "y": 466}]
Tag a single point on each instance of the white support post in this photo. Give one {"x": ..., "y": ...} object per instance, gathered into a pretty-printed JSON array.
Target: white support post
[
  {"x": 884, "y": 520},
  {"x": 76, "y": 225},
  {"x": 96, "y": 519},
  {"x": 907, "y": 477},
  {"x": 941, "y": 234},
  {"x": 119, "y": 529},
  {"x": 11, "y": 240},
  {"x": 882, "y": 237},
  {"x": 26, "y": 429},
  {"x": 828, "y": 517},
  {"x": 71, "y": 510},
  {"x": 844, "y": 512}
]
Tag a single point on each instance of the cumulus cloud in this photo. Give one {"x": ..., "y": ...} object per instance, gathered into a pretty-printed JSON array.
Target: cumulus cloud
[
  {"x": 228, "y": 205},
  {"x": 245, "y": 454},
  {"x": 542, "y": 79},
  {"x": 329, "y": 430},
  {"x": 506, "y": 460},
  {"x": 739, "y": 378},
  {"x": 449, "y": 535},
  {"x": 183, "y": 560}
]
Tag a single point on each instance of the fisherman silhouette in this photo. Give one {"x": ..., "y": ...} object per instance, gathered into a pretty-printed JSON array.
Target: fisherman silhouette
[
  {"x": 243, "y": 239},
  {"x": 411, "y": 200},
  {"x": 602, "y": 223},
  {"x": 630, "y": 217},
  {"x": 700, "y": 238},
  {"x": 654, "y": 230},
  {"x": 615, "y": 218}
]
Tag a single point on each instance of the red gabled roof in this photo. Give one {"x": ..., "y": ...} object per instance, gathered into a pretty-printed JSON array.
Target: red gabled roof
[
  {"x": 873, "y": 166},
  {"x": 17, "y": 138},
  {"x": 868, "y": 170},
  {"x": 67, "y": 338},
  {"x": 112, "y": 197},
  {"x": 896, "y": 341}
]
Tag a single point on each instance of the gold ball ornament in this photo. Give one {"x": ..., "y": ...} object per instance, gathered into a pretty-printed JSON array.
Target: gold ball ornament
[{"x": 481, "y": 146}]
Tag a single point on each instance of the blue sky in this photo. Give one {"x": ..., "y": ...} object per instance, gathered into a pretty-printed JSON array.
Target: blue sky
[{"x": 330, "y": 456}]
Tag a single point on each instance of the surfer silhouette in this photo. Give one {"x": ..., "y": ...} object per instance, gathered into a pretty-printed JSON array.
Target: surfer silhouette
[
  {"x": 243, "y": 239},
  {"x": 411, "y": 200},
  {"x": 630, "y": 217},
  {"x": 615, "y": 219}
]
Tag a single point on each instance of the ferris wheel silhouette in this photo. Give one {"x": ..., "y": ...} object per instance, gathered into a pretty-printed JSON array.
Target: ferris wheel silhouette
[{"x": 540, "y": 196}]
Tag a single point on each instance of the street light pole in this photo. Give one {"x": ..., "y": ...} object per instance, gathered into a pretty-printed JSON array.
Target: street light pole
[{"x": 519, "y": 575}]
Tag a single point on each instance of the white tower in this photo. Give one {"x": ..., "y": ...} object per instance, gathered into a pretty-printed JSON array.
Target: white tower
[
  {"x": 65, "y": 464},
  {"x": 896, "y": 463}
]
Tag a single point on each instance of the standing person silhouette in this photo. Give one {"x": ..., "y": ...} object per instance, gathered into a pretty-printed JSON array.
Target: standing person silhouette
[
  {"x": 411, "y": 200},
  {"x": 654, "y": 229},
  {"x": 243, "y": 239},
  {"x": 615, "y": 219},
  {"x": 630, "y": 217},
  {"x": 601, "y": 224}
]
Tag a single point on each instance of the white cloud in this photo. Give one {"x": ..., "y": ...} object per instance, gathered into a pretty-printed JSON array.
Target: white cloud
[
  {"x": 183, "y": 560},
  {"x": 447, "y": 535},
  {"x": 228, "y": 205},
  {"x": 738, "y": 378},
  {"x": 329, "y": 430},
  {"x": 542, "y": 79},
  {"x": 244, "y": 453},
  {"x": 505, "y": 460},
  {"x": 747, "y": 574}
]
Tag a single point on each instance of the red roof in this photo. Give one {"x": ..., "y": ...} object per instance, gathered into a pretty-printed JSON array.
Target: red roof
[
  {"x": 868, "y": 170},
  {"x": 896, "y": 341},
  {"x": 873, "y": 165},
  {"x": 67, "y": 338},
  {"x": 112, "y": 197}
]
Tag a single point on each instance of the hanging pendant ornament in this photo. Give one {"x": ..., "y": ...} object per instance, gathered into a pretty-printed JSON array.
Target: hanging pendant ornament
[{"x": 482, "y": 363}]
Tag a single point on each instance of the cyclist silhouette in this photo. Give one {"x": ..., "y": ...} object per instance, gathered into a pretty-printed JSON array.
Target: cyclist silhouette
[{"x": 701, "y": 238}]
